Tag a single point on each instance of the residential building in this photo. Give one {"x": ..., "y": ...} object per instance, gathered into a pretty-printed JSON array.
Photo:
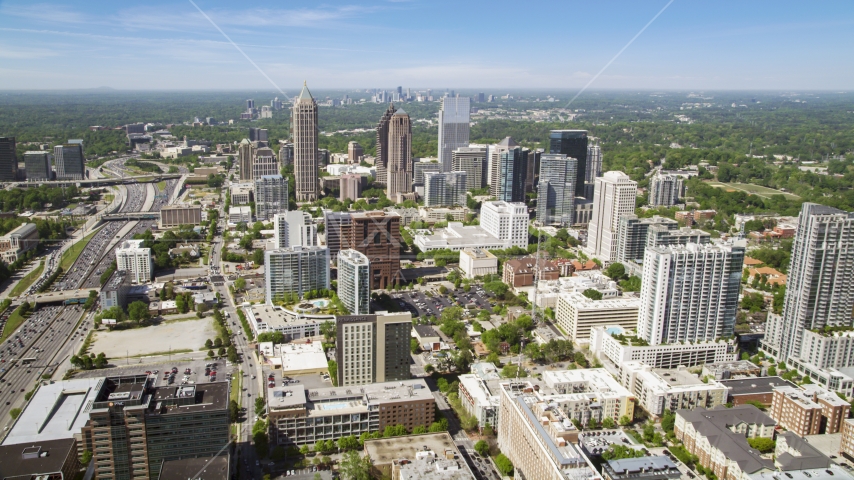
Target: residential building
[
  {"x": 176, "y": 215},
  {"x": 665, "y": 190},
  {"x": 8, "y": 159},
  {"x": 258, "y": 135},
  {"x": 590, "y": 393},
  {"x": 304, "y": 124},
  {"x": 615, "y": 195},
  {"x": 632, "y": 235},
  {"x": 399, "y": 171},
  {"x": 271, "y": 196},
  {"x": 241, "y": 193},
  {"x": 506, "y": 221},
  {"x": 556, "y": 189},
  {"x": 264, "y": 163},
  {"x": 533, "y": 170},
  {"x": 655, "y": 467},
  {"x": 573, "y": 144},
  {"x": 337, "y": 227},
  {"x": 245, "y": 156},
  {"x": 577, "y": 314},
  {"x": 430, "y": 456},
  {"x": 453, "y": 128},
  {"x": 521, "y": 272},
  {"x": 238, "y": 215},
  {"x": 808, "y": 411},
  {"x": 473, "y": 161},
  {"x": 296, "y": 270},
  {"x": 421, "y": 168},
  {"x": 796, "y": 457},
  {"x": 37, "y": 166},
  {"x": 442, "y": 214},
  {"x": 444, "y": 189},
  {"x": 512, "y": 169},
  {"x": 49, "y": 459},
  {"x": 115, "y": 291},
  {"x": 354, "y": 281},
  {"x": 846, "y": 445},
  {"x": 286, "y": 153},
  {"x": 377, "y": 236},
  {"x": 381, "y": 161},
  {"x": 594, "y": 164},
  {"x": 718, "y": 437},
  {"x": 69, "y": 162},
  {"x": 351, "y": 187},
  {"x": 615, "y": 345},
  {"x": 355, "y": 152},
  {"x": 476, "y": 262},
  {"x": 132, "y": 257},
  {"x": 751, "y": 389},
  {"x": 731, "y": 369},
  {"x": 294, "y": 229},
  {"x": 479, "y": 393},
  {"x": 690, "y": 293},
  {"x": 299, "y": 416},
  {"x": 659, "y": 390},
  {"x": 20, "y": 240},
  {"x": 373, "y": 348}
]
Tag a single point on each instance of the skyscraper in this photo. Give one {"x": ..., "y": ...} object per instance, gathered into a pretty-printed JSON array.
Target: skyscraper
[
  {"x": 501, "y": 174},
  {"x": 556, "y": 189},
  {"x": 294, "y": 229},
  {"x": 690, "y": 292},
  {"x": 664, "y": 189},
  {"x": 351, "y": 186},
  {"x": 399, "y": 154},
  {"x": 506, "y": 221},
  {"x": 594, "y": 163},
  {"x": 444, "y": 189},
  {"x": 354, "y": 281},
  {"x": 572, "y": 143},
  {"x": 271, "y": 196},
  {"x": 454, "y": 121},
  {"x": 69, "y": 161},
  {"x": 37, "y": 164},
  {"x": 295, "y": 270},
  {"x": 615, "y": 195},
  {"x": 245, "y": 157},
  {"x": 258, "y": 135},
  {"x": 304, "y": 120},
  {"x": 420, "y": 169},
  {"x": 512, "y": 169},
  {"x": 533, "y": 170},
  {"x": 373, "y": 348},
  {"x": 8, "y": 159},
  {"x": 286, "y": 154},
  {"x": 355, "y": 152},
  {"x": 381, "y": 161},
  {"x": 264, "y": 163},
  {"x": 471, "y": 160},
  {"x": 136, "y": 260},
  {"x": 377, "y": 236}
]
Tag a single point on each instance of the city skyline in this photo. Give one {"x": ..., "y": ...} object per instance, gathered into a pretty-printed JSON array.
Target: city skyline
[{"x": 715, "y": 49}]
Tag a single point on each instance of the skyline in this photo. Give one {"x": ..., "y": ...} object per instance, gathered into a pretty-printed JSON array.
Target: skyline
[{"x": 171, "y": 46}]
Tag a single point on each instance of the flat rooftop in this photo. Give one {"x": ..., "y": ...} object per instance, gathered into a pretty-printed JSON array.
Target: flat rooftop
[
  {"x": 277, "y": 317},
  {"x": 206, "y": 397},
  {"x": 344, "y": 400},
  {"x": 754, "y": 385},
  {"x": 35, "y": 459},
  {"x": 202, "y": 468},
  {"x": 298, "y": 357},
  {"x": 384, "y": 450},
  {"x": 677, "y": 377}
]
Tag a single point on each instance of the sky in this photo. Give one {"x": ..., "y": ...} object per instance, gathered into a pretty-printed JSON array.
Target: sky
[{"x": 462, "y": 44}]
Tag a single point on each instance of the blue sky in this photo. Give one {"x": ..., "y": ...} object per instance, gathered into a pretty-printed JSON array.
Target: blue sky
[{"x": 746, "y": 44}]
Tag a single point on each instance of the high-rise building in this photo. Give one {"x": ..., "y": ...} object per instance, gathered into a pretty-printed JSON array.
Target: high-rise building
[
  {"x": 258, "y": 135},
  {"x": 377, "y": 235},
  {"x": 286, "y": 154},
  {"x": 444, "y": 189},
  {"x": 632, "y": 232},
  {"x": 615, "y": 195},
  {"x": 420, "y": 168},
  {"x": 8, "y": 159},
  {"x": 373, "y": 348},
  {"x": 264, "y": 163},
  {"x": 512, "y": 169},
  {"x": 133, "y": 258},
  {"x": 355, "y": 152},
  {"x": 473, "y": 161},
  {"x": 506, "y": 221},
  {"x": 556, "y": 189},
  {"x": 573, "y": 144},
  {"x": 664, "y": 189},
  {"x": 271, "y": 196},
  {"x": 245, "y": 158},
  {"x": 351, "y": 186},
  {"x": 820, "y": 283},
  {"x": 594, "y": 164},
  {"x": 295, "y": 270},
  {"x": 381, "y": 161},
  {"x": 399, "y": 154},
  {"x": 250, "y": 104},
  {"x": 689, "y": 293},
  {"x": 533, "y": 170},
  {"x": 69, "y": 161},
  {"x": 336, "y": 230},
  {"x": 498, "y": 170},
  {"x": 354, "y": 281},
  {"x": 304, "y": 120},
  {"x": 454, "y": 124},
  {"x": 294, "y": 229},
  {"x": 37, "y": 164}
]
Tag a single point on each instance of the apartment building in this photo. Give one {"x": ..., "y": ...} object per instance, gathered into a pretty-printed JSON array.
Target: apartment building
[
  {"x": 615, "y": 195},
  {"x": 846, "y": 445},
  {"x": 241, "y": 193},
  {"x": 377, "y": 236},
  {"x": 658, "y": 390},
  {"x": 176, "y": 215},
  {"x": 354, "y": 281},
  {"x": 556, "y": 187},
  {"x": 238, "y": 215},
  {"x": 132, "y": 257},
  {"x": 271, "y": 196},
  {"x": 294, "y": 229},
  {"x": 520, "y": 272},
  {"x": 665, "y": 189},
  {"x": 444, "y": 189},
  {"x": 373, "y": 348},
  {"x": 471, "y": 160},
  {"x": 577, "y": 314},
  {"x": 506, "y": 221},
  {"x": 590, "y": 393},
  {"x": 479, "y": 393},
  {"x": 295, "y": 270},
  {"x": 808, "y": 412}
]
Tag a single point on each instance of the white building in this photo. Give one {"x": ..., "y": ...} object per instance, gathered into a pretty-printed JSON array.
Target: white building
[
  {"x": 476, "y": 262},
  {"x": 294, "y": 326},
  {"x": 614, "y": 195},
  {"x": 673, "y": 389},
  {"x": 441, "y": 214},
  {"x": 506, "y": 221},
  {"x": 548, "y": 291},
  {"x": 338, "y": 169},
  {"x": 453, "y": 128},
  {"x": 294, "y": 228},
  {"x": 577, "y": 315},
  {"x": 295, "y": 270},
  {"x": 354, "y": 281},
  {"x": 133, "y": 258},
  {"x": 457, "y": 237},
  {"x": 241, "y": 193},
  {"x": 479, "y": 393},
  {"x": 665, "y": 189},
  {"x": 240, "y": 215}
]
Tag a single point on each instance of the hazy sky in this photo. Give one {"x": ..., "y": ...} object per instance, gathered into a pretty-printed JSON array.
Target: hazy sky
[{"x": 745, "y": 44}]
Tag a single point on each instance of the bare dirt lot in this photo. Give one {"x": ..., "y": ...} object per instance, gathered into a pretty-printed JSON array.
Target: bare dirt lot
[{"x": 181, "y": 336}]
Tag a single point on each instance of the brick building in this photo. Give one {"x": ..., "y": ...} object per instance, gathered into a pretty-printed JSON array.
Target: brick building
[{"x": 519, "y": 272}]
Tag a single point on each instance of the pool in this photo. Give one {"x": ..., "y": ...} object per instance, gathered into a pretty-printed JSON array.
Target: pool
[
  {"x": 334, "y": 406},
  {"x": 615, "y": 331},
  {"x": 320, "y": 303}
]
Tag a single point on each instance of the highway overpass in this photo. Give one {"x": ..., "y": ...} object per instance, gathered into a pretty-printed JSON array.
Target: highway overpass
[{"x": 94, "y": 182}]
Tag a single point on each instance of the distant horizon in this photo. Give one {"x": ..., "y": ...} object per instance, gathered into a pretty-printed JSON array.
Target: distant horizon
[{"x": 437, "y": 91}]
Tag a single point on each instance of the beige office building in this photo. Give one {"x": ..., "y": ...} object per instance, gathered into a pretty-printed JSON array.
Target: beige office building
[
  {"x": 304, "y": 121},
  {"x": 399, "y": 154},
  {"x": 373, "y": 348}
]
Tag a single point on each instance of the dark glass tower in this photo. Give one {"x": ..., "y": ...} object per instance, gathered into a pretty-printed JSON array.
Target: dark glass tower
[{"x": 572, "y": 143}]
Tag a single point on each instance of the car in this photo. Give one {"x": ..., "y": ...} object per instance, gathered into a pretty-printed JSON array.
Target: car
[
  {"x": 257, "y": 463},
  {"x": 248, "y": 394}
]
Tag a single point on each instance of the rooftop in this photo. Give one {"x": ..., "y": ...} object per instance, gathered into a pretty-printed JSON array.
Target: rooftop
[
  {"x": 205, "y": 397},
  {"x": 346, "y": 400},
  {"x": 385, "y": 450},
  {"x": 644, "y": 465},
  {"x": 302, "y": 356},
  {"x": 754, "y": 385},
  {"x": 478, "y": 253},
  {"x": 202, "y": 468},
  {"x": 35, "y": 459}
]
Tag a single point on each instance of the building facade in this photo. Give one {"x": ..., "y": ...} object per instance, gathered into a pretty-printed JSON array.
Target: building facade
[
  {"x": 15, "y": 244},
  {"x": 454, "y": 123},
  {"x": 136, "y": 260},
  {"x": 615, "y": 195},
  {"x": 578, "y": 315},
  {"x": 614, "y": 345},
  {"x": 573, "y": 144},
  {"x": 506, "y": 221},
  {"x": 304, "y": 124},
  {"x": 355, "y": 152},
  {"x": 351, "y": 187},
  {"x": 381, "y": 161},
  {"x": 377, "y": 236},
  {"x": 264, "y": 163},
  {"x": 69, "y": 161},
  {"x": 294, "y": 229},
  {"x": 473, "y": 161},
  {"x": 556, "y": 189},
  {"x": 271, "y": 196},
  {"x": 37, "y": 165},
  {"x": 176, "y": 215},
  {"x": 444, "y": 189},
  {"x": 295, "y": 270},
  {"x": 476, "y": 262},
  {"x": 8, "y": 159},
  {"x": 245, "y": 156},
  {"x": 665, "y": 190},
  {"x": 373, "y": 348},
  {"x": 512, "y": 169},
  {"x": 354, "y": 281},
  {"x": 399, "y": 171}
]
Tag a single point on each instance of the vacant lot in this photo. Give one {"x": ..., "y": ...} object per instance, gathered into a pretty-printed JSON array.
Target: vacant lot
[
  {"x": 758, "y": 190},
  {"x": 181, "y": 335}
]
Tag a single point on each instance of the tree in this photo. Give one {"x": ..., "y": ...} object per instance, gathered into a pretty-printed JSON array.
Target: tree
[
  {"x": 615, "y": 271},
  {"x": 208, "y": 343},
  {"x": 607, "y": 422},
  {"x": 138, "y": 311},
  {"x": 625, "y": 421},
  {"x": 764, "y": 445},
  {"x": 304, "y": 450},
  {"x": 211, "y": 354},
  {"x": 15, "y": 413},
  {"x": 348, "y": 443},
  {"x": 648, "y": 431},
  {"x": 278, "y": 454},
  {"x": 354, "y": 467},
  {"x": 419, "y": 429},
  {"x": 482, "y": 448},
  {"x": 592, "y": 294},
  {"x": 240, "y": 284},
  {"x": 505, "y": 466},
  {"x": 86, "y": 457},
  {"x": 668, "y": 421},
  {"x": 233, "y": 410},
  {"x": 619, "y": 452},
  {"x": 413, "y": 345}
]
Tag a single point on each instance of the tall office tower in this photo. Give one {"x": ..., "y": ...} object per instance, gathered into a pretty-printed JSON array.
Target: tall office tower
[
  {"x": 664, "y": 189},
  {"x": 295, "y": 270},
  {"x": 250, "y": 104},
  {"x": 258, "y": 135},
  {"x": 264, "y": 163},
  {"x": 304, "y": 120},
  {"x": 689, "y": 293},
  {"x": 354, "y": 282},
  {"x": 533, "y": 170},
  {"x": 594, "y": 164},
  {"x": 8, "y": 159},
  {"x": 133, "y": 258},
  {"x": 572, "y": 143},
  {"x": 69, "y": 161},
  {"x": 556, "y": 189},
  {"x": 821, "y": 280},
  {"x": 481, "y": 97},
  {"x": 444, "y": 189},
  {"x": 399, "y": 154},
  {"x": 294, "y": 229},
  {"x": 336, "y": 229},
  {"x": 419, "y": 169},
  {"x": 351, "y": 187},
  {"x": 377, "y": 235},
  {"x": 381, "y": 161},
  {"x": 37, "y": 164},
  {"x": 271, "y": 196},
  {"x": 615, "y": 195},
  {"x": 355, "y": 152},
  {"x": 512, "y": 168},
  {"x": 473, "y": 161},
  {"x": 506, "y": 221},
  {"x": 494, "y": 175},
  {"x": 286, "y": 154},
  {"x": 373, "y": 348},
  {"x": 245, "y": 157},
  {"x": 454, "y": 122},
  {"x": 632, "y": 233},
  {"x": 322, "y": 157}
]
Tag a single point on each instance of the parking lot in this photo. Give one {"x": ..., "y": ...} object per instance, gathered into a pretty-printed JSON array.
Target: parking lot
[
  {"x": 421, "y": 305},
  {"x": 161, "y": 371}
]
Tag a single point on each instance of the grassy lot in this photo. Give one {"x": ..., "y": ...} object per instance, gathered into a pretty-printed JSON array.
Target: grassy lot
[
  {"x": 757, "y": 190},
  {"x": 15, "y": 320},
  {"x": 70, "y": 255},
  {"x": 28, "y": 280},
  {"x": 161, "y": 185}
]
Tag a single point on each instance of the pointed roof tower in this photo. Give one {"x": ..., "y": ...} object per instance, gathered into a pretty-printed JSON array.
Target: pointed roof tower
[
  {"x": 305, "y": 94},
  {"x": 508, "y": 142},
  {"x": 399, "y": 112}
]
